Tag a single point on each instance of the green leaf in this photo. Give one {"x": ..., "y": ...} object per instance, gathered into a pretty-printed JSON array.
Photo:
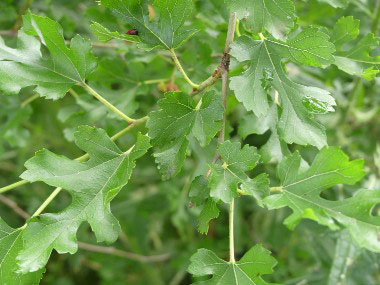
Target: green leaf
[
  {"x": 199, "y": 191},
  {"x": 171, "y": 158},
  {"x": 275, "y": 16},
  {"x": 25, "y": 66},
  {"x": 10, "y": 246},
  {"x": 92, "y": 185},
  {"x": 165, "y": 29},
  {"x": 257, "y": 187},
  {"x": 105, "y": 35},
  {"x": 179, "y": 116},
  {"x": 248, "y": 270},
  {"x": 200, "y": 196},
  {"x": 225, "y": 178},
  {"x": 301, "y": 190},
  {"x": 274, "y": 149},
  {"x": 357, "y": 59},
  {"x": 209, "y": 211},
  {"x": 298, "y": 102}
]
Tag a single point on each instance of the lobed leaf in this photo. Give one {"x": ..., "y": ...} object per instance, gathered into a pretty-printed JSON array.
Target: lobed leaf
[
  {"x": 162, "y": 29},
  {"x": 248, "y": 270},
  {"x": 301, "y": 189},
  {"x": 92, "y": 185},
  {"x": 265, "y": 71},
  {"x": 225, "y": 178},
  {"x": 357, "y": 59},
  {"x": 275, "y": 16},
  {"x": 179, "y": 116},
  {"x": 10, "y": 246},
  {"x": 25, "y": 66}
]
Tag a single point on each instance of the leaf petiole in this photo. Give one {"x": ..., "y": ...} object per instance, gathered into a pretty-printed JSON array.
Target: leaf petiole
[
  {"x": 13, "y": 186},
  {"x": 231, "y": 232},
  {"x": 107, "y": 103},
  {"x": 180, "y": 68}
]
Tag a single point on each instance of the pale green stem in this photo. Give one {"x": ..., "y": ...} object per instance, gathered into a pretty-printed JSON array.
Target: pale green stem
[
  {"x": 13, "y": 186},
  {"x": 225, "y": 77},
  {"x": 107, "y": 104},
  {"x": 83, "y": 157},
  {"x": 238, "y": 28},
  {"x": 47, "y": 201},
  {"x": 375, "y": 23},
  {"x": 29, "y": 100},
  {"x": 74, "y": 94},
  {"x": 231, "y": 230},
  {"x": 180, "y": 68},
  {"x": 278, "y": 189},
  {"x": 155, "y": 81}
]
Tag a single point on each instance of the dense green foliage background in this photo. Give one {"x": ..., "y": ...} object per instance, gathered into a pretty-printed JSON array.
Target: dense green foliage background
[{"x": 156, "y": 216}]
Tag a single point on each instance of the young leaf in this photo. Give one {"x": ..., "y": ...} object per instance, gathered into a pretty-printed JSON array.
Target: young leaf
[
  {"x": 53, "y": 77},
  {"x": 248, "y": 270},
  {"x": 301, "y": 191},
  {"x": 178, "y": 117},
  {"x": 167, "y": 31},
  {"x": 225, "y": 179},
  {"x": 275, "y": 16},
  {"x": 356, "y": 60},
  {"x": 92, "y": 185},
  {"x": 298, "y": 102},
  {"x": 10, "y": 246}
]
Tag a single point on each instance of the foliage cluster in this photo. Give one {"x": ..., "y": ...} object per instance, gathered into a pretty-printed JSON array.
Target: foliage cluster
[{"x": 180, "y": 142}]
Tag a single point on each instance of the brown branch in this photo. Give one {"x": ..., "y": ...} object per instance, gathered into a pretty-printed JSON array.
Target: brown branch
[
  {"x": 124, "y": 254},
  {"x": 8, "y": 33},
  {"x": 21, "y": 12},
  {"x": 224, "y": 65},
  {"x": 13, "y": 205}
]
